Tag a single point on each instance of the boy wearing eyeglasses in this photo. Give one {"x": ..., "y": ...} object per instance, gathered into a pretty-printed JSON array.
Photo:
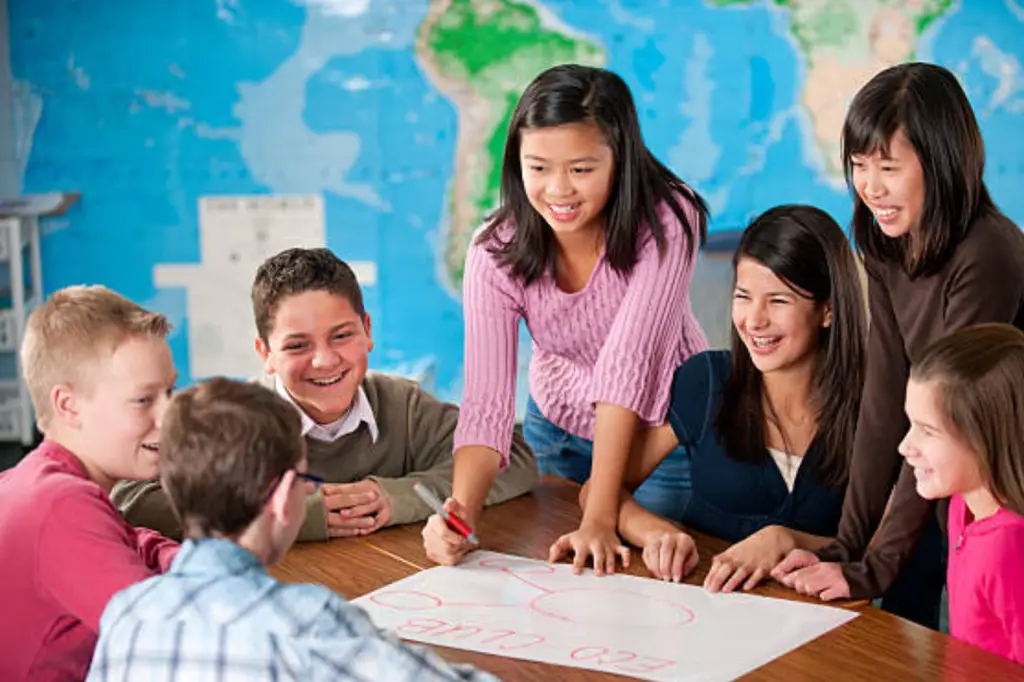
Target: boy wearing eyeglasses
[{"x": 233, "y": 465}]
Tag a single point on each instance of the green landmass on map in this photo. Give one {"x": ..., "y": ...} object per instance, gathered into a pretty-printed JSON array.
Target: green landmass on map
[
  {"x": 490, "y": 50},
  {"x": 835, "y": 22}
]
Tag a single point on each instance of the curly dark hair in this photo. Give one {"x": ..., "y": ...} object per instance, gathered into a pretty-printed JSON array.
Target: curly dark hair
[{"x": 296, "y": 271}]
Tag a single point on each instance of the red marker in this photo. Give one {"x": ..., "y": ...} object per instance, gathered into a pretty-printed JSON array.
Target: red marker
[{"x": 453, "y": 521}]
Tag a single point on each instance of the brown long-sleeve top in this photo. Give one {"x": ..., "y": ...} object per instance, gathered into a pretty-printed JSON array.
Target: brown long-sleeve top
[{"x": 982, "y": 282}]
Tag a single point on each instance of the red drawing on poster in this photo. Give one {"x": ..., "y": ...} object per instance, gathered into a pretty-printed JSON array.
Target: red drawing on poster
[
  {"x": 563, "y": 604},
  {"x": 645, "y": 611}
]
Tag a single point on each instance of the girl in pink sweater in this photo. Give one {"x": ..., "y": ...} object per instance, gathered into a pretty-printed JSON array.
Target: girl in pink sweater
[
  {"x": 593, "y": 247},
  {"x": 965, "y": 402}
]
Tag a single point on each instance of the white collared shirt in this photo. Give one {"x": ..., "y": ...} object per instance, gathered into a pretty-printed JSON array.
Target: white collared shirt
[{"x": 358, "y": 412}]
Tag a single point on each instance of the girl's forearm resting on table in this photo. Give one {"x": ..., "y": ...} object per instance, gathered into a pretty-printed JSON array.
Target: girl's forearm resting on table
[
  {"x": 614, "y": 427},
  {"x": 807, "y": 541},
  {"x": 637, "y": 525},
  {"x": 474, "y": 472}
]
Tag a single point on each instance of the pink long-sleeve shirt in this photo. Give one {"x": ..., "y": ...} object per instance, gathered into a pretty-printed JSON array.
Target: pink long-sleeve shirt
[
  {"x": 618, "y": 340},
  {"x": 64, "y": 551},
  {"x": 985, "y": 580}
]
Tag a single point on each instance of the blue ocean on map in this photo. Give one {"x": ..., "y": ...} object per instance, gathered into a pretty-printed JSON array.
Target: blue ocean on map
[{"x": 146, "y": 112}]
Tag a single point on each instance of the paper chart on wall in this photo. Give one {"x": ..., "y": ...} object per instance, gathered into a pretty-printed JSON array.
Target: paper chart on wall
[{"x": 522, "y": 608}]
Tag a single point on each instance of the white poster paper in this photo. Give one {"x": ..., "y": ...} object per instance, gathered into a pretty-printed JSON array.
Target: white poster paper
[{"x": 522, "y": 608}]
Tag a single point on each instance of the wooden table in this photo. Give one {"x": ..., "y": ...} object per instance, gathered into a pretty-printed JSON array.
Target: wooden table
[{"x": 873, "y": 647}]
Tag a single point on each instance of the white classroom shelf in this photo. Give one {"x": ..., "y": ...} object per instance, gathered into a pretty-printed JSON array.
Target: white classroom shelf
[{"x": 21, "y": 289}]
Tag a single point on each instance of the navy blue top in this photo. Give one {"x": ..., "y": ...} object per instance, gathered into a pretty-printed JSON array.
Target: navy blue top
[{"x": 733, "y": 499}]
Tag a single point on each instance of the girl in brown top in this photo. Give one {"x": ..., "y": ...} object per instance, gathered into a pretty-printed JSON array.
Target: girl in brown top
[{"x": 939, "y": 256}]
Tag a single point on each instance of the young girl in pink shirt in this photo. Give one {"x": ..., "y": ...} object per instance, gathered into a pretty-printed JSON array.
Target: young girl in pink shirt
[
  {"x": 965, "y": 402},
  {"x": 593, "y": 247}
]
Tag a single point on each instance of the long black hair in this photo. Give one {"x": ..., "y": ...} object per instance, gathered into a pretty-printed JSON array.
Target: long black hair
[
  {"x": 571, "y": 93},
  {"x": 805, "y": 248},
  {"x": 926, "y": 102}
]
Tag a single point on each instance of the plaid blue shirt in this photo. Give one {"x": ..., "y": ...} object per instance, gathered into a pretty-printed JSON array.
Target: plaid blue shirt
[{"x": 218, "y": 615}]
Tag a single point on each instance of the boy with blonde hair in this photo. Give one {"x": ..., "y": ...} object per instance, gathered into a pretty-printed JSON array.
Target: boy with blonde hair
[
  {"x": 100, "y": 375},
  {"x": 369, "y": 435},
  {"x": 235, "y": 472}
]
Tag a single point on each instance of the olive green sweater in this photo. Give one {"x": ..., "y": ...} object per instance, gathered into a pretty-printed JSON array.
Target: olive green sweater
[{"x": 414, "y": 443}]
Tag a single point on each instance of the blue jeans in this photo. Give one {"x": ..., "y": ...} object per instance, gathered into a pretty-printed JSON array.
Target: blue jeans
[{"x": 666, "y": 491}]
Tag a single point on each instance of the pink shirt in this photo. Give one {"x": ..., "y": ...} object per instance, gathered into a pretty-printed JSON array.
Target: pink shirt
[
  {"x": 617, "y": 341},
  {"x": 985, "y": 580},
  {"x": 65, "y": 551}
]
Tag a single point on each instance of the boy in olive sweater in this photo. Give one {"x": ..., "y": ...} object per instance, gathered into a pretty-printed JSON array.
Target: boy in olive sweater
[{"x": 370, "y": 436}]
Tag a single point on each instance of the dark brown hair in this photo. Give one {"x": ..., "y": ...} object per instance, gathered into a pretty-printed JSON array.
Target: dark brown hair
[
  {"x": 980, "y": 374},
  {"x": 805, "y": 248},
  {"x": 296, "y": 271},
  {"x": 927, "y": 104},
  {"x": 571, "y": 93},
  {"x": 223, "y": 446}
]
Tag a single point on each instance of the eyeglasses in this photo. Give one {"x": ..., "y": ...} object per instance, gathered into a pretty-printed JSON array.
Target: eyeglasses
[{"x": 310, "y": 478}]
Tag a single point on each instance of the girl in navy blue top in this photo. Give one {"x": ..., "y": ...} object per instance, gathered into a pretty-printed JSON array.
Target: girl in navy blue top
[{"x": 767, "y": 427}]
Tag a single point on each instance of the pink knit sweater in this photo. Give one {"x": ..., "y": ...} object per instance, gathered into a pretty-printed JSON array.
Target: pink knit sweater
[{"x": 617, "y": 341}]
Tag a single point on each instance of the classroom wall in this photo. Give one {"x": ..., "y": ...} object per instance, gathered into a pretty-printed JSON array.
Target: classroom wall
[
  {"x": 206, "y": 136},
  {"x": 10, "y": 171}
]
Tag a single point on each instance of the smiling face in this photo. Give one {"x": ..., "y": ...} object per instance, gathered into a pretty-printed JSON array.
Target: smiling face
[
  {"x": 318, "y": 348},
  {"x": 117, "y": 415},
  {"x": 892, "y": 186},
  {"x": 779, "y": 325},
  {"x": 568, "y": 171},
  {"x": 943, "y": 463}
]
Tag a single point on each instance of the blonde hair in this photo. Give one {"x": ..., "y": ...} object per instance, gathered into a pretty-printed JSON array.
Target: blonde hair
[
  {"x": 980, "y": 374},
  {"x": 72, "y": 330}
]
